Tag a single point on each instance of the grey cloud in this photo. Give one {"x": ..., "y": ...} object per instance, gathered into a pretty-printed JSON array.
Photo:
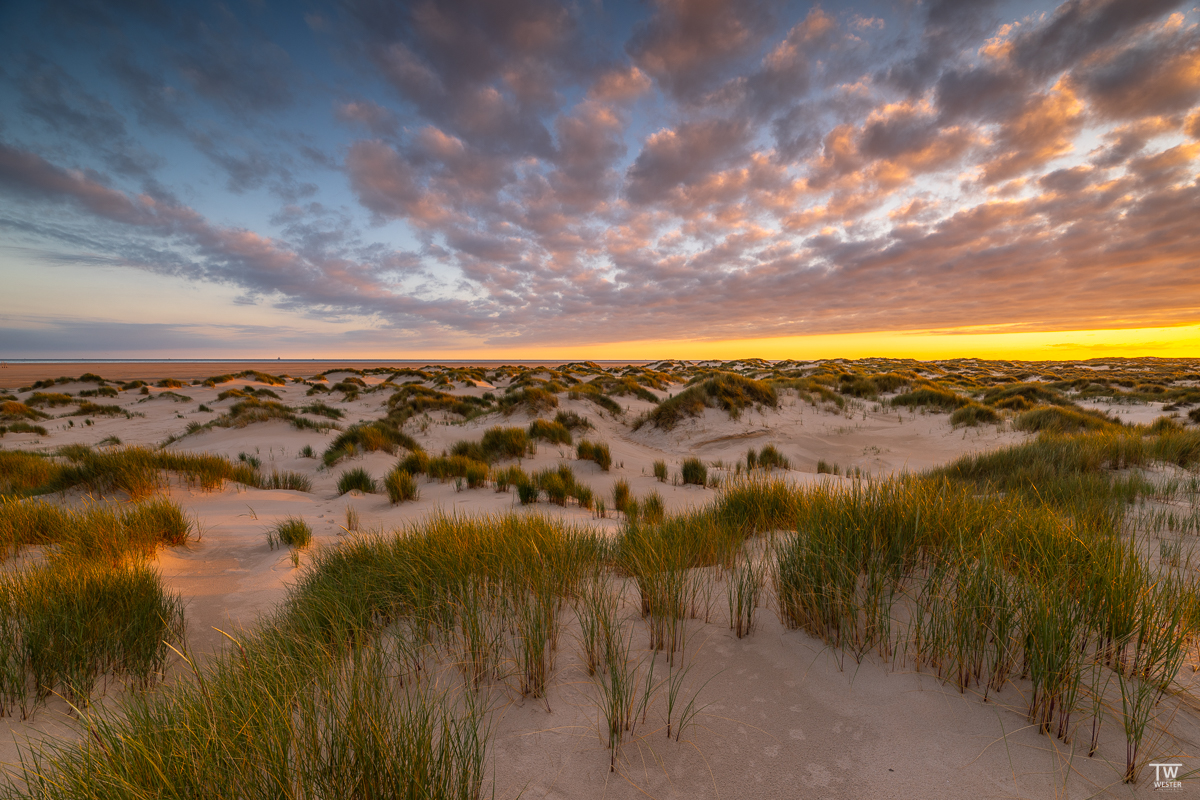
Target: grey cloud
[
  {"x": 1079, "y": 28},
  {"x": 674, "y": 157},
  {"x": 232, "y": 65},
  {"x": 950, "y": 26},
  {"x": 373, "y": 117},
  {"x": 1158, "y": 77},
  {"x": 56, "y": 99},
  {"x": 484, "y": 72},
  {"x": 689, "y": 46}
]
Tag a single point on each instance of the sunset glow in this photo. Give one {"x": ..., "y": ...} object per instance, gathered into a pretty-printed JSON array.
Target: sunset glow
[{"x": 601, "y": 180}]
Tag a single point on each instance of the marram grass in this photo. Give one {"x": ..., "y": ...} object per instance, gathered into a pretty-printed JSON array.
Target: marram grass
[{"x": 996, "y": 584}]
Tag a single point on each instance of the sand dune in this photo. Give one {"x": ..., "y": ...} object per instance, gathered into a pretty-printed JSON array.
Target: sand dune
[{"x": 783, "y": 715}]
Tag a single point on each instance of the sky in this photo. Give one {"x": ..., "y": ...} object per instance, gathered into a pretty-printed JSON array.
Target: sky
[{"x": 594, "y": 179}]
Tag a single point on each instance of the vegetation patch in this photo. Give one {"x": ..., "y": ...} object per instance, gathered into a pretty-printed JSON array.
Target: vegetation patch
[
  {"x": 52, "y": 399},
  {"x": 66, "y": 623},
  {"x": 594, "y": 451},
  {"x": 533, "y": 399},
  {"x": 552, "y": 432},
  {"x": 729, "y": 391},
  {"x": 103, "y": 391},
  {"x": 356, "y": 479},
  {"x": 1057, "y": 419},
  {"x": 291, "y": 531},
  {"x": 322, "y": 410},
  {"x": 378, "y": 436},
  {"x": 931, "y": 397},
  {"x": 22, "y": 427},
  {"x": 972, "y": 415},
  {"x": 94, "y": 532},
  {"x": 692, "y": 470},
  {"x": 139, "y": 471},
  {"x": 768, "y": 458},
  {"x": 413, "y": 399},
  {"x": 1022, "y": 396},
  {"x": 400, "y": 486},
  {"x": 13, "y": 410}
]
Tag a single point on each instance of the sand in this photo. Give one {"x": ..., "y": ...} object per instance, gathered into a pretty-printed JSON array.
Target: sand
[{"x": 783, "y": 716}]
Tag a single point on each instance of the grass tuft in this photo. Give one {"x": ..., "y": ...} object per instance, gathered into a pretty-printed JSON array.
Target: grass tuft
[
  {"x": 692, "y": 470},
  {"x": 400, "y": 486},
  {"x": 356, "y": 479},
  {"x": 291, "y": 531}
]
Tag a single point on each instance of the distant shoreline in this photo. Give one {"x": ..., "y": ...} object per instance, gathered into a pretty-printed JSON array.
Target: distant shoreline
[{"x": 23, "y": 372}]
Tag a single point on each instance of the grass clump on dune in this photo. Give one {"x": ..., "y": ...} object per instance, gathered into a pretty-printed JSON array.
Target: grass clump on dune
[
  {"x": 768, "y": 458},
  {"x": 139, "y": 471},
  {"x": 533, "y": 399},
  {"x": 14, "y": 410},
  {"x": 250, "y": 410},
  {"x": 1062, "y": 420},
  {"x": 291, "y": 531},
  {"x": 320, "y": 409},
  {"x": 415, "y": 463},
  {"x": 972, "y": 415},
  {"x": 731, "y": 392},
  {"x": 931, "y": 396},
  {"x": 1023, "y": 396},
  {"x": 412, "y": 399},
  {"x": 400, "y": 486},
  {"x": 291, "y": 481},
  {"x": 989, "y": 582},
  {"x": 594, "y": 394},
  {"x": 505, "y": 442},
  {"x": 22, "y": 472},
  {"x": 250, "y": 374},
  {"x": 378, "y": 436},
  {"x": 66, "y": 623},
  {"x": 497, "y": 444},
  {"x": 23, "y": 427},
  {"x": 103, "y": 391},
  {"x": 692, "y": 470},
  {"x": 594, "y": 451},
  {"x": 572, "y": 421},
  {"x": 51, "y": 399},
  {"x": 94, "y": 532},
  {"x": 552, "y": 432},
  {"x": 356, "y": 479},
  {"x": 444, "y": 468},
  {"x": 87, "y": 409}
]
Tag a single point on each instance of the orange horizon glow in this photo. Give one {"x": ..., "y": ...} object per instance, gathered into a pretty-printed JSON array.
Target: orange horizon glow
[{"x": 1182, "y": 341}]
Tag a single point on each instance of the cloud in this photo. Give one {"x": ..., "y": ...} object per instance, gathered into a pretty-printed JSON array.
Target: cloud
[
  {"x": 483, "y": 72},
  {"x": 28, "y": 174},
  {"x": 1080, "y": 28},
  {"x": 64, "y": 107},
  {"x": 672, "y": 157},
  {"x": 373, "y": 117},
  {"x": 688, "y": 45},
  {"x": 950, "y": 25},
  {"x": 1043, "y": 129},
  {"x": 1158, "y": 78},
  {"x": 620, "y": 85},
  {"x": 233, "y": 65}
]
